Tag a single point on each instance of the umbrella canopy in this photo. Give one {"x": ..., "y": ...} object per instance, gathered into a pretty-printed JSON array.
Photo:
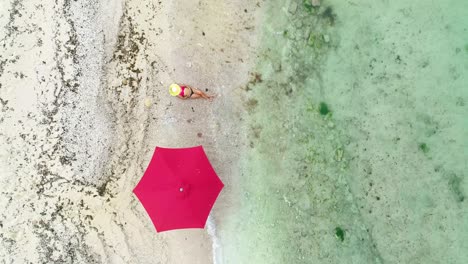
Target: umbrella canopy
[{"x": 179, "y": 188}]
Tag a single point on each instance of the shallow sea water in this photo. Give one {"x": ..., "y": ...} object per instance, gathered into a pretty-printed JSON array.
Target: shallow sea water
[{"x": 357, "y": 136}]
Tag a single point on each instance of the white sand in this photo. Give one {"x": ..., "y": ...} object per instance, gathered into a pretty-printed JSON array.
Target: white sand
[{"x": 78, "y": 123}]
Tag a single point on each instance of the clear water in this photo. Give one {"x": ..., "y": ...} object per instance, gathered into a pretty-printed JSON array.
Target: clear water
[{"x": 358, "y": 136}]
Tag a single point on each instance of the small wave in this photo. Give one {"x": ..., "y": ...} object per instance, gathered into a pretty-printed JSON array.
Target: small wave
[{"x": 215, "y": 247}]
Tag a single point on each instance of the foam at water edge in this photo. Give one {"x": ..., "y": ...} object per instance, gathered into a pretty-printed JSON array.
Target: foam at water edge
[{"x": 216, "y": 249}]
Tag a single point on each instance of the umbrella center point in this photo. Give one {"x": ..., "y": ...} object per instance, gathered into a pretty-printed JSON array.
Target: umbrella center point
[{"x": 181, "y": 189}]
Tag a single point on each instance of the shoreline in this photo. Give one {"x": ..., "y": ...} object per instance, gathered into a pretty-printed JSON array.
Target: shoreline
[
  {"x": 207, "y": 50},
  {"x": 188, "y": 51}
]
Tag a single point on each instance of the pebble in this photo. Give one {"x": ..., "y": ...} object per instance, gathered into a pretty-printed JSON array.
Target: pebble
[
  {"x": 326, "y": 38},
  {"x": 148, "y": 102}
]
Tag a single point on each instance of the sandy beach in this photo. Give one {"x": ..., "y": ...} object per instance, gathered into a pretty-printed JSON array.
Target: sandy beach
[{"x": 84, "y": 103}]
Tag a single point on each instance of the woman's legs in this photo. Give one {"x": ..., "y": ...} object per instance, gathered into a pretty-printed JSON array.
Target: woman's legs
[
  {"x": 195, "y": 95},
  {"x": 199, "y": 94}
]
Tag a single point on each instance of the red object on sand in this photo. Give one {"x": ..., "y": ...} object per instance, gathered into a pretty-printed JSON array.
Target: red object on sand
[{"x": 179, "y": 188}]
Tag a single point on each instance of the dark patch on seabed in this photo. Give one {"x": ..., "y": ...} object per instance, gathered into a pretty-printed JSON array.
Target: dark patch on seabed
[{"x": 455, "y": 185}]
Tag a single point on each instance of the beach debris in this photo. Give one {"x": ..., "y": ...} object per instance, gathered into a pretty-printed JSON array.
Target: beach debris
[
  {"x": 251, "y": 104},
  {"x": 255, "y": 78},
  {"x": 339, "y": 154},
  {"x": 189, "y": 64},
  {"x": 199, "y": 134},
  {"x": 398, "y": 59},
  {"x": 287, "y": 200},
  {"x": 258, "y": 77},
  {"x": 147, "y": 102},
  {"x": 293, "y": 8},
  {"x": 315, "y": 3},
  {"x": 340, "y": 233},
  {"x": 247, "y": 87}
]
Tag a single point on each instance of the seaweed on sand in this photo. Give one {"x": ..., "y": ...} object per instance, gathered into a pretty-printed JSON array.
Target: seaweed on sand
[
  {"x": 329, "y": 15},
  {"x": 308, "y": 6},
  {"x": 456, "y": 187},
  {"x": 323, "y": 109},
  {"x": 423, "y": 147},
  {"x": 340, "y": 233}
]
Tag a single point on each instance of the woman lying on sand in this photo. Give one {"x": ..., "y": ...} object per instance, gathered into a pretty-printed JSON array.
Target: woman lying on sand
[{"x": 187, "y": 92}]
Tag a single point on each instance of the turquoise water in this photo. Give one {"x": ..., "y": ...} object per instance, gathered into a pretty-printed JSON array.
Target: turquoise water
[{"x": 358, "y": 136}]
